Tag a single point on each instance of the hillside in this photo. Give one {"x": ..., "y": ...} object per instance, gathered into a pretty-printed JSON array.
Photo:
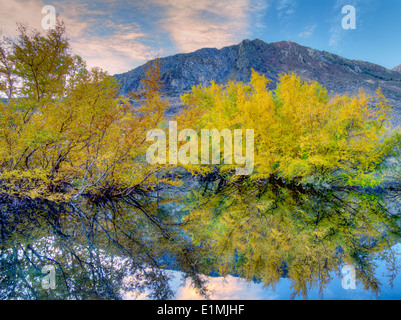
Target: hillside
[
  {"x": 180, "y": 72},
  {"x": 397, "y": 68}
]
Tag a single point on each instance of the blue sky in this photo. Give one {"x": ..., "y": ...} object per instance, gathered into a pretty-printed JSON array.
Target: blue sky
[{"x": 119, "y": 35}]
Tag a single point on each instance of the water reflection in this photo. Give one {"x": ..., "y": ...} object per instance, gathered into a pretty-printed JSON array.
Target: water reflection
[
  {"x": 93, "y": 248},
  {"x": 260, "y": 232},
  {"x": 265, "y": 232}
]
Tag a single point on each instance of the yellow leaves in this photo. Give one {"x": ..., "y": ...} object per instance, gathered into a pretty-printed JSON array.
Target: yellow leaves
[
  {"x": 32, "y": 174},
  {"x": 28, "y": 182},
  {"x": 78, "y": 135},
  {"x": 300, "y": 129},
  {"x": 278, "y": 235}
]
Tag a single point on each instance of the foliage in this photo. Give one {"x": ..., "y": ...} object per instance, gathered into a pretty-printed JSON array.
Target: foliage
[
  {"x": 64, "y": 129},
  {"x": 300, "y": 129}
]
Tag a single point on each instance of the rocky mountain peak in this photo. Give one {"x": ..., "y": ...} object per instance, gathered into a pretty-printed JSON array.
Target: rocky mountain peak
[{"x": 182, "y": 71}]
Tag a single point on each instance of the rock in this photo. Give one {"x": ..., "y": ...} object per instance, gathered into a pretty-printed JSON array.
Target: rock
[{"x": 182, "y": 71}]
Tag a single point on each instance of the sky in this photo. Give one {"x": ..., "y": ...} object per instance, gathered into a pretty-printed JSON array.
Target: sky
[{"x": 119, "y": 35}]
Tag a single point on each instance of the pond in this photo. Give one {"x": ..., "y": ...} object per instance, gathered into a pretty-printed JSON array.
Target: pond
[{"x": 218, "y": 241}]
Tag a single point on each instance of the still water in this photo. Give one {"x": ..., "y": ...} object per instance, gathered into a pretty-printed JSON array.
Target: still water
[{"x": 219, "y": 241}]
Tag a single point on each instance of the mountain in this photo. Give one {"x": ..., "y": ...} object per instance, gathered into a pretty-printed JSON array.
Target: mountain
[
  {"x": 337, "y": 74},
  {"x": 397, "y": 68}
]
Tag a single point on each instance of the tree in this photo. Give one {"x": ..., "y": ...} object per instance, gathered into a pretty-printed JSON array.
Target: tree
[
  {"x": 65, "y": 130},
  {"x": 302, "y": 133}
]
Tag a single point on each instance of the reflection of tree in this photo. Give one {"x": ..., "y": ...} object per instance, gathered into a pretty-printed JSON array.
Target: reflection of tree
[
  {"x": 93, "y": 248},
  {"x": 259, "y": 231},
  {"x": 264, "y": 232}
]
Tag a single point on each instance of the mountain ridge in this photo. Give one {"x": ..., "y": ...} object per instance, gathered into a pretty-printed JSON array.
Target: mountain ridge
[
  {"x": 339, "y": 75},
  {"x": 397, "y": 68}
]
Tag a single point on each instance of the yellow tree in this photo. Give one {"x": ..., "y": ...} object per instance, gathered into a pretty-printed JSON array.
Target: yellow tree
[
  {"x": 65, "y": 130},
  {"x": 301, "y": 131}
]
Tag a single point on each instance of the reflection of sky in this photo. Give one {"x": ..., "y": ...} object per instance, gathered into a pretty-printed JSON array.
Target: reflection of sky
[
  {"x": 118, "y": 35},
  {"x": 232, "y": 288}
]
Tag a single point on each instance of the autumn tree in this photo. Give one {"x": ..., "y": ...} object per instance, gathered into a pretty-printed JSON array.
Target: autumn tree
[
  {"x": 64, "y": 129},
  {"x": 302, "y": 133}
]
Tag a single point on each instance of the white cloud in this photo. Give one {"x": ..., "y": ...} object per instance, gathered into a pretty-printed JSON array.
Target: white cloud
[
  {"x": 116, "y": 51},
  {"x": 205, "y": 23},
  {"x": 257, "y": 13},
  {"x": 99, "y": 31},
  {"x": 337, "y": 34},
  {"x": 336, "y": 31},
  {"x": 308, "y": 32},
  {"x": 13, "y": 11},
  {"x": 286, "y": 8}
]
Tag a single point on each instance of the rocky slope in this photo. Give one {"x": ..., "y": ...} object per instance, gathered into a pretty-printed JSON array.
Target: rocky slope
[
  {"x": 397, "y": 68},
  {"x": 337, "y": 74}
]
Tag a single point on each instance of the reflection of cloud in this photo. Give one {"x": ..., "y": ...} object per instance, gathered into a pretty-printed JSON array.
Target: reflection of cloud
[
  {"x": 308, "y": 32},
  {"x": 205, "y": 23},
  {"x": 227, "y": 288},
  {"x": 219, "y": 288},
  {"x": 235, "y": 288}
]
